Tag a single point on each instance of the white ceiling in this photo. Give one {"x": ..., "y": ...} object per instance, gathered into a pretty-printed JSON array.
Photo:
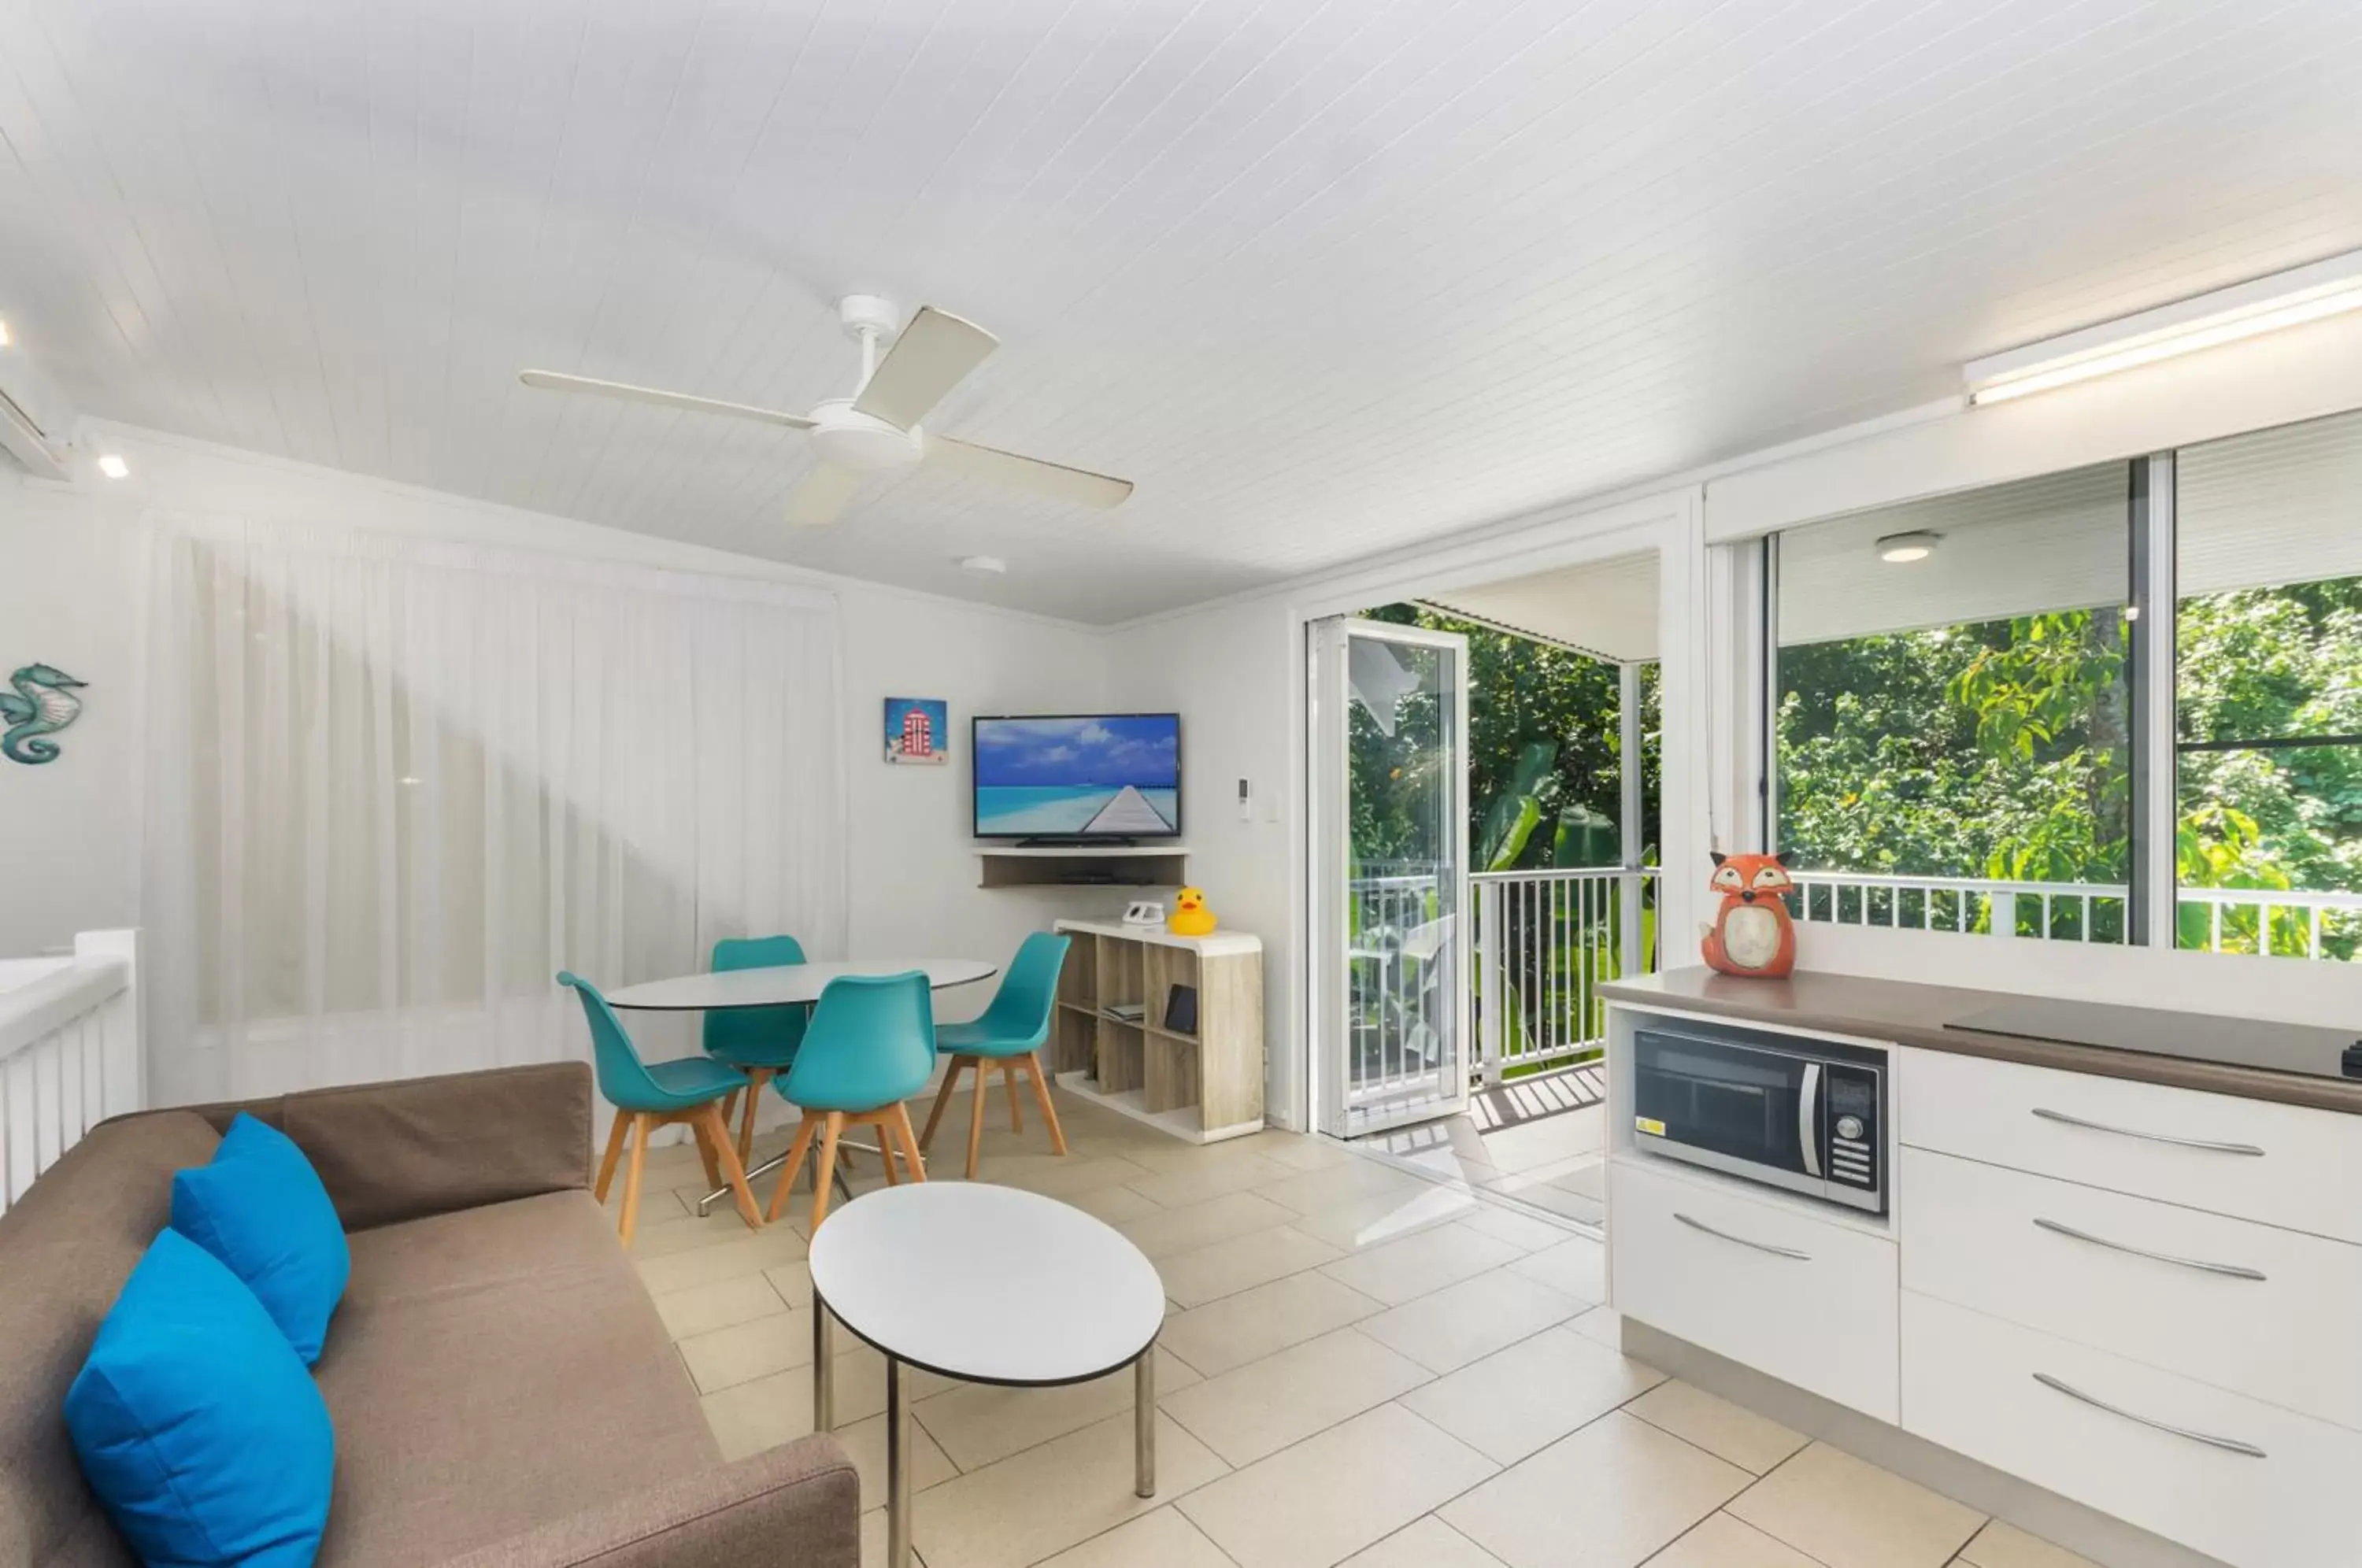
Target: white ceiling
[
  {"x": 1606, "y": 608},
  {"x": 1324, "y": 276}
]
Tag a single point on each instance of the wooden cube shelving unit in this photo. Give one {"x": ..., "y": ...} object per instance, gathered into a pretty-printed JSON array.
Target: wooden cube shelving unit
[{"x": 1203, "y": 1086}]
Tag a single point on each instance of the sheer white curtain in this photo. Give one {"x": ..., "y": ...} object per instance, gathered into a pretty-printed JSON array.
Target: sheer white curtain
[{"x": 394, "y": 785}]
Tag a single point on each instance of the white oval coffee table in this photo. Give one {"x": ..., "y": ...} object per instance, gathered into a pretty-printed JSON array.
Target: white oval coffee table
[{"x": 987, "y": 1284}]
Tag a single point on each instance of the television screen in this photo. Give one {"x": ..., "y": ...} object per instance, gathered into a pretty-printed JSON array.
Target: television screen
[{"x": 1092, "y": 775}]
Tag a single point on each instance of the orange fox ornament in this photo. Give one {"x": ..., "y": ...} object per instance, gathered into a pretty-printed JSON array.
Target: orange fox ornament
[{"x": 1752, "y": 934}]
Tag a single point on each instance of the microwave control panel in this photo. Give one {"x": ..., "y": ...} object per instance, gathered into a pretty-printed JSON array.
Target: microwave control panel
[{"x": 1851, "y": 1118}]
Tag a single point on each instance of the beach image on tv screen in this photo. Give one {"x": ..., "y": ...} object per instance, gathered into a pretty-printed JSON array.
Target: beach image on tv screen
[{"x": 1119, "y": 776}]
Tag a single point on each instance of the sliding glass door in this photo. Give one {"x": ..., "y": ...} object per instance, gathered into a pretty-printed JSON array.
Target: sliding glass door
[{"x": 1389, "y": 775}]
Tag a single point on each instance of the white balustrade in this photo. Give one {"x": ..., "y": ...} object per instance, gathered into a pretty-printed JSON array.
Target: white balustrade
[{"x": 71, "y": 1054}]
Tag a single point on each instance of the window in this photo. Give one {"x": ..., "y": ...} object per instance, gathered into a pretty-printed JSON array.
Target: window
[
  {"x": 1952, "y": 722},
  {"x": 1958, "y": 740},
  {"x": 2267, "y": 692}
]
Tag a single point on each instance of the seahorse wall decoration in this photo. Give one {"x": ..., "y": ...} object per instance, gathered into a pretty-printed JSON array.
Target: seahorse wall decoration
[{"x": 43, "y": 704}]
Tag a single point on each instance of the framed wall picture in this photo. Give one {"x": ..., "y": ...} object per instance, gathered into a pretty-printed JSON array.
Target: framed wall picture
[{"x": 918, "y": 730}]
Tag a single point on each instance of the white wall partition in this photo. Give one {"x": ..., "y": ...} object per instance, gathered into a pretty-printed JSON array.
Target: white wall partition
[
  {"x": 70, "y": 1051},
  {"x": 395, "y": 785}
]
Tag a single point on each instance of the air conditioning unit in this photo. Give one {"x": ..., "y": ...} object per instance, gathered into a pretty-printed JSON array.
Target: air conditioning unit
[{"x": 33, "y": 420}]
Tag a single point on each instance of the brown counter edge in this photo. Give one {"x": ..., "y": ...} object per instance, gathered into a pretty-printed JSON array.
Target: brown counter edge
[{"x": 2210, "y": 1078}]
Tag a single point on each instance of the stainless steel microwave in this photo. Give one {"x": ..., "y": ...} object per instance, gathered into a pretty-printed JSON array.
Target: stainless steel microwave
[{"x": 1784, "y": 1109}]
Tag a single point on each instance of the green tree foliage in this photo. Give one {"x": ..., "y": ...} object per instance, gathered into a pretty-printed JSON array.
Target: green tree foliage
[
  {"x": 1545, "y": 768},
  {"x": 2002, "y": 750},
  {"x": 1997, "y": 749}
]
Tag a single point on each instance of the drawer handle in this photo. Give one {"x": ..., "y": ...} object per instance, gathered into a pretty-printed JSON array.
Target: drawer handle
[
  {"x": 1727, "y": 1236},
  {"x": 2049, "y": 1115},
  {"x": 2233, "y": 1271},
  {"x": 2228, "y": 1445}
]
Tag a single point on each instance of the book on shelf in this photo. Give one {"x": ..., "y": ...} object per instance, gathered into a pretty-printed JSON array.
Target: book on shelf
[{"x": 1127, "y": 1012}]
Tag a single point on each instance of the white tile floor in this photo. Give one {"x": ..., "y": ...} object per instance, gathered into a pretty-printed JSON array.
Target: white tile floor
[
  {"x": 1361, "y": 1367},
  {"x": 1541, "y": 1139}
]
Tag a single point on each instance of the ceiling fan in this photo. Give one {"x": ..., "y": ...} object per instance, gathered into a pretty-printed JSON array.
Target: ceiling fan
[{"x": 876, "y": 429}]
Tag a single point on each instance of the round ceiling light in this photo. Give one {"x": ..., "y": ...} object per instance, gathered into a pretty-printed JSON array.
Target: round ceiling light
[
  {"x": 983, "y": 565},
  {"x": 1916, "y": 545}
]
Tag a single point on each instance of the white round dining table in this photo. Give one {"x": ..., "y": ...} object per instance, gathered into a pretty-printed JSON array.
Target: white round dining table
[
  {"x": 786, "y": 984},
  {"x": 783, "y": 984}
]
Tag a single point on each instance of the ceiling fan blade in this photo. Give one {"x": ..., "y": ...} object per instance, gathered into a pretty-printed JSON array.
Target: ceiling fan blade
[
  {"x": 558, "y": 380},
  {"x": 933, "y": 354},
  {"x": 822, "y": 495},
  {"x": 1078, "y": 485}
]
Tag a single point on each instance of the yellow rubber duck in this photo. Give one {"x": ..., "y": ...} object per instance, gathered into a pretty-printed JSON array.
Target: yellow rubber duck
[{"x": 1190, "y": 916}]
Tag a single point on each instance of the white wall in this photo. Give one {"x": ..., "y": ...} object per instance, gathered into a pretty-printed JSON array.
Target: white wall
[
  {"x": 70, "y": 829},
  {"x": 73, "y": 593},
  {"x": 1229, "y": 671},
  {"x": 914, "y": 890}
]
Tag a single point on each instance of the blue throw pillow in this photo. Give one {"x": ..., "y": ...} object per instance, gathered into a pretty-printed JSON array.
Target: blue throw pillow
[
  {"x": 205, "y": 1437},
  {"x": 259, "y": 1207}
]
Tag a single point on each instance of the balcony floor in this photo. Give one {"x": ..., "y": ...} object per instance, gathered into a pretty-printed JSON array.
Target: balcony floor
[{"x": 1541, "y": 1139}]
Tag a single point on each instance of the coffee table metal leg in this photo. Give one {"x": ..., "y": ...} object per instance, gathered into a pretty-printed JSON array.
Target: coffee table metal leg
[
  {"x": 824, "y": 1371},
  {"x": 1143, "y": 1423},
  {"x": 898, "y": 1467}
]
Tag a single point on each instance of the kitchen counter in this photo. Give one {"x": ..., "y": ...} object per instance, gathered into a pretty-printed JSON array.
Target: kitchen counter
[{"x": 2291, "y": 1064}]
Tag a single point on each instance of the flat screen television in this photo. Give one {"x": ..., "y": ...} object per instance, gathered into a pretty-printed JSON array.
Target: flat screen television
[{"x": 1081, "y": 777}]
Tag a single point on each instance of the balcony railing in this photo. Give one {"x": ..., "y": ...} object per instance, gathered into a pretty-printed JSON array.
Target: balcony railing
[
  {"x": 70, "y": 1051},
  {"x": 1546, "y": 941},
  {"x": 2216, "y": 920},
  {"x": 1543, "y": 944}
]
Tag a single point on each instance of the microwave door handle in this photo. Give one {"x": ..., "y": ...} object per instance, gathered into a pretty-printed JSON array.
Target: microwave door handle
[{"x": 1808, "y": 1119}]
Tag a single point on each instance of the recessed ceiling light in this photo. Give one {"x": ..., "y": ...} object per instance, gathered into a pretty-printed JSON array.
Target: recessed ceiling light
[
  {"x": 4, "y": 339},
  {"x": 112, "y": 465},
  {"x": 984, "y": 566},
  {"x": 1916, "y": 545}
]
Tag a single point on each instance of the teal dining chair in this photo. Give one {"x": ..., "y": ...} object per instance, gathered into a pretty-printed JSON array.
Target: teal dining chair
[
  {"x": 869, "y": 1048},
  {"x": 1009, "y": 1035},
  {"x": 760, "y": 1042},
  {"x": 649, "y": 1095}
]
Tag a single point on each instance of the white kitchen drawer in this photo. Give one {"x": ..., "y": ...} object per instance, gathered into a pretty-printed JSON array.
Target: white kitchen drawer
[
  {"x": 2284, "y": 1165},
  {"x": 1969, "y": 1382},
  {"x": 2067, "y": 1259},
  {"x": 1808, "y": 1302}
]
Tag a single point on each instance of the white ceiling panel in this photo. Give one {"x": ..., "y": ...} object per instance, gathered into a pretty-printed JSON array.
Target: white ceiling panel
[
  {"x": 2059, "y": 542},
  {"x": 1604, "y": 608},
  {"x": 1324, "y": 277}
]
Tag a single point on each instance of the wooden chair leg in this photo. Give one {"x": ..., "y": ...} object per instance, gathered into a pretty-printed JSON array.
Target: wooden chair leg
[
  {"x": 826, "y": 1177},
  {"x": 640, "y": 1125},
  {"x": 794, "y": 1163},
  {"x": 943, "y": 1097},
  {"x": 733, "y": 1169},
  {"x": 616, "y": 1129},
  {"x": 755, "y": 1079},
  {"x": 910, "y": 1140},
  {"x": 705, "y": 1151},
  {"x": 1049, "y": 1111},
  {"x": 1009, "y": 1081},
  {"x": 976, "y": 1120},
  {"x": 887, "y": 1142}
]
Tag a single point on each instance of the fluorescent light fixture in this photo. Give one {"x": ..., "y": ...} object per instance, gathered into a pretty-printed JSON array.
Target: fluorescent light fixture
[
  {"x": 1916, "y": 545},
  {"x": 2207, "y": 321},
  {"x": 112, "y": 465}
]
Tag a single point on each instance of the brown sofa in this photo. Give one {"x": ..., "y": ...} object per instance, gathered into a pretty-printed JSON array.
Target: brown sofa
[{"x": 503, "y": 1390}]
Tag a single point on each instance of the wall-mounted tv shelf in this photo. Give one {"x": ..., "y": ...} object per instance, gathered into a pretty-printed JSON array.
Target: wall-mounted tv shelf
[
  {"x": 1203, "y": 1085},
  {"x": 1084, "y": 866}
]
